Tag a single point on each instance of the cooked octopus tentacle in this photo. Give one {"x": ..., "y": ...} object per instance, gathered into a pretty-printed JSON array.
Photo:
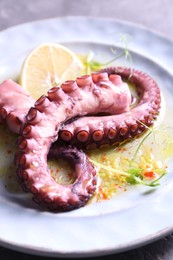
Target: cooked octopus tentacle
[
  {"x": 14, "y": 105},
  {"x": 100, "y": 131},
  {"x": 11, "y": 112},
  {"x": 87, "y": 95},
  {"x": 83, "y": 170}
]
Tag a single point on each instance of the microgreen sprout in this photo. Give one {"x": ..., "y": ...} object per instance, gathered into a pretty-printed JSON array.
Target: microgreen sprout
[
  {"x": 135, "y": 175},
  {"x": 140, "y": 144},
  {"x": 92, "y": 65},
  {"x": 132, "y": 176},
  {"x": 150, "y": 131}
]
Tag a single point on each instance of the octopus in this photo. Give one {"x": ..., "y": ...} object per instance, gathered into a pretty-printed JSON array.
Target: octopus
[
  {"x": 99, "y": 132},
  {"x": 93, "y": 111}
]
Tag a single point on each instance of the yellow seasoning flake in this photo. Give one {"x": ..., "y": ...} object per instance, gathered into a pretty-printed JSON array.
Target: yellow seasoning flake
[{"x": 117, "y": 168}]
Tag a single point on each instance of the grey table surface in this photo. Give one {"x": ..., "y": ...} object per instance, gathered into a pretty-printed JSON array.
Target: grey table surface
[{"x": 156, "y": 15}]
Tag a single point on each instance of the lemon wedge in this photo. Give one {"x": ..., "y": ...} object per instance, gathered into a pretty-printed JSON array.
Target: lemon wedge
[{"x": 49, "y": 65}]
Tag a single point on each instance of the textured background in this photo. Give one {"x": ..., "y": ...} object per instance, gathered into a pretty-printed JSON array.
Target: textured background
[{"x": 154, "y": 14}]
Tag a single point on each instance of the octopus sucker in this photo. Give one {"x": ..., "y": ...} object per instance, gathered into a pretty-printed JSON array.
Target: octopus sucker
[
  {"x": 97, "y": 135},
  {"x": 118, "y": 126},
  {"x": 82, "y": 136},
  {"x": 69, "y": 114}
]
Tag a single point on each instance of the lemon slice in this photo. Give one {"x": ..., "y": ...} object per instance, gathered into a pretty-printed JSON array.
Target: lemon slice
[{"x": 48, "y": 65}]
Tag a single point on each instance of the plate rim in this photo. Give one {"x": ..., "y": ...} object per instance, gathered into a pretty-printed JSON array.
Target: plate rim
[
  {"x": 94, "y": 253},
  {"x": 78, "y": 17}
]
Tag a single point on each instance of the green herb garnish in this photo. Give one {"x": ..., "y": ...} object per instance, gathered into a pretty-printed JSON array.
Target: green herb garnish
[
  {"x": 92, "y": 65},
  {"x": 132, "y": 176}
]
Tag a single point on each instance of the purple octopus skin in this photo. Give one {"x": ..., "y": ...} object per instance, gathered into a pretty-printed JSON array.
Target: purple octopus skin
[
  {"x": 102, "y": 131},
  {"x": 41, "y": 125},
  {"x": 14, "y": 105},
  {"x": 82, "y": 168},
  {"x": 14, "y": 114},
  {"x": 87, "y": 95}
]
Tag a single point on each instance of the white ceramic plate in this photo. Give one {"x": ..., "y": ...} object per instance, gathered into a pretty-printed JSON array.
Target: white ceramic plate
[{"x": 133, "y": 218}]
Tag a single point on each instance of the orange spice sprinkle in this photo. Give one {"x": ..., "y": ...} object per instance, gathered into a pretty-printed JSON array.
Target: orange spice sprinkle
[
  {"x": 104, "y": 157},
  {"x": 150, "y": 175},
  {"x": 121, "y": 149},
  {"x": 103, "y": 194}
]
